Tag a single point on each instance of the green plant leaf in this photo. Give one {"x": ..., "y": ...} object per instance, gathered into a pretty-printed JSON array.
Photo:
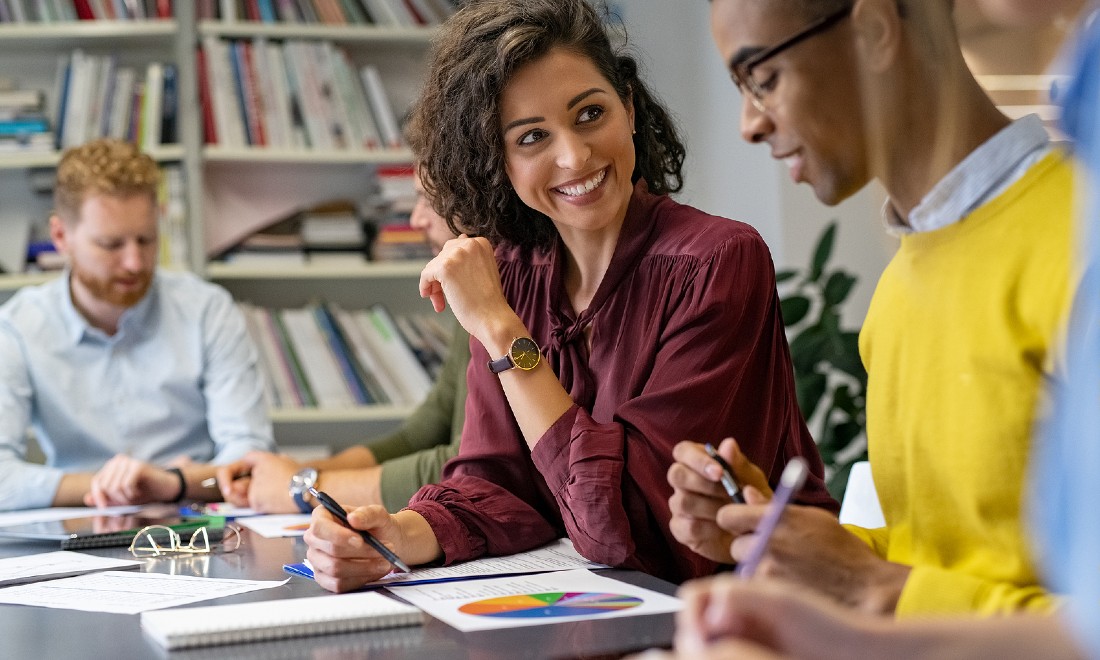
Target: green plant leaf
[
  {"x": 794, "y": 309},
  {"x": 784, "y": 275},
  {"x": 808, "y": 348},
  {"x": 846, "y": 357},
  {"x": 810, "y": 390},
  {"x": 837, "y": 287},
  {"x": 822, "y": 252}
]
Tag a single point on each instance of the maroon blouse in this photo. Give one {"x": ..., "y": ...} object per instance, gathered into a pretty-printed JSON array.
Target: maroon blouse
[{"x": 687, "y": 343}]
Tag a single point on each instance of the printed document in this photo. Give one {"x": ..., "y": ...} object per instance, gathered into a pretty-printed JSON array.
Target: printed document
[
  {"x": 53, "y": 565},
  {"x": 127, "y": 593},
  {"x": 533, "y": 600},
  {"x": 557, "y": 556}
]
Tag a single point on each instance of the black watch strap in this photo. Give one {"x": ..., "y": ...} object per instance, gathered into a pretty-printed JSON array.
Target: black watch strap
[{"x": 183, "y": 484}]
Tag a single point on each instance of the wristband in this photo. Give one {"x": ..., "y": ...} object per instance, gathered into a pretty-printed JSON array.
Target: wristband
[{"x": 183, "y": 483}]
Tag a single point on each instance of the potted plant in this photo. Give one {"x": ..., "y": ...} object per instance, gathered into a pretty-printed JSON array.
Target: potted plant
[{"x": 829, "y": 376}]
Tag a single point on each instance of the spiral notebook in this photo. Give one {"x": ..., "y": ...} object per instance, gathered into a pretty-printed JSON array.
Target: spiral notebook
[{"x": 212, "y": 625}]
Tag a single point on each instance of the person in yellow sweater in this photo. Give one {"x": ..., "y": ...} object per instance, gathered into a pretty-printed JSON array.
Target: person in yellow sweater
[{"x": 961, "y": 329}]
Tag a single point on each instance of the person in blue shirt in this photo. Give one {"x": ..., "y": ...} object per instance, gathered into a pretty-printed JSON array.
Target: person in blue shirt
[{"x": 134, "y": 382}]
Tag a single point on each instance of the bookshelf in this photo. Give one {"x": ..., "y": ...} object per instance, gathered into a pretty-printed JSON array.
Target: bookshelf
[{"x": 233, "y": 185}]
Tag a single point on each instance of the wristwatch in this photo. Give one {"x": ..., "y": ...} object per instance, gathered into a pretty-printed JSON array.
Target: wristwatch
[
  {"x": 300, "y": 484},
  {"x": 523, "y": 354}
]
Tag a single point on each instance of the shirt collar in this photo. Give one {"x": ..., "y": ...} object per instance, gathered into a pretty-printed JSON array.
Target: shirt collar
[
  {"x": 984, "y": 173},
  {"x": 78, "y": 328}
]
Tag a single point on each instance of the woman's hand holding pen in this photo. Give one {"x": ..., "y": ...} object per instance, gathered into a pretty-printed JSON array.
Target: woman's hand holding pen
[
  {"x": 698, "y": 495},
  {"x": 343, "y": 561}
]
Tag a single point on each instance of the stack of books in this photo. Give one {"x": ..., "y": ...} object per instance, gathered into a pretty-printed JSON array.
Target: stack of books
[
  {"x": 383, "y": 13},
  {"x": 98, "y": 97},
  {"x": 331, "y": 234},
  {"x": 396, "y": 239},
  {"x": 57, "y": 11},
  {"x": 328, "y": 357},
  {"x": 292, "y": 95},
  {"x": 24, "y": 126}
]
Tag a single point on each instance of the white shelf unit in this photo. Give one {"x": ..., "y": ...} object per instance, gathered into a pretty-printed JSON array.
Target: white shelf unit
[{"x": 261, "y": 180}]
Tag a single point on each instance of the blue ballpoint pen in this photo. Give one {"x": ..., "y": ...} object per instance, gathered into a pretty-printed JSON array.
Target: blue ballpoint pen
[
  {"x": 790, "y": 482},
  {"x": 335, "y": 509}
]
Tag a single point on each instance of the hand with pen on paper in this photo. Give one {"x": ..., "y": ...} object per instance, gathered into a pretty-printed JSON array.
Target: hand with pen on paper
[
  {"x": 343, "y": 560},
  {"x": 808, "y": 545}
]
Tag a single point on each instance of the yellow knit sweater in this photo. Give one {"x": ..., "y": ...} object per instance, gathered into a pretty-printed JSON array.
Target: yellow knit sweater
[{"x": 957, "y": 343}]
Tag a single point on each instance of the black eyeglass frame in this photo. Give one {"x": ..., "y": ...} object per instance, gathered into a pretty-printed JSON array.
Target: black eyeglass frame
[{"x": 742, "y": 71}]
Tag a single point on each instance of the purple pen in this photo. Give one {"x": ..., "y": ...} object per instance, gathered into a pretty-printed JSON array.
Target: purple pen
[{"x": 790, "y": 482}]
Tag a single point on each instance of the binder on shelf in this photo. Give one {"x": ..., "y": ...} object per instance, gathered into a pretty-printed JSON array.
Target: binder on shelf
[
  {"x": 381, "y": 331},
  {"x": 380, "y": 105},
  {"x": 368, "y": 358},
  {"x": 264, "y": 362},
  {"x": 363, "y": 384},
  {"x": 319, "y": 365},
  {"x": 301, "y": 384}
]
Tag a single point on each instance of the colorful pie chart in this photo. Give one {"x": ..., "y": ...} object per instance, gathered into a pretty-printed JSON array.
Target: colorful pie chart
[{"x": 550, "y": 605}]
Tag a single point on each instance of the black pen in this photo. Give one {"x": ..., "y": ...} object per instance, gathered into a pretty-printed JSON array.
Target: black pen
[
  {"x": 729, "y": 482},
  {"x": 335, "y": 509}
]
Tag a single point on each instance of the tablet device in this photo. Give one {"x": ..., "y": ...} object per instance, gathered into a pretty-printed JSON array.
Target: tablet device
[{"x": 108, "y": 531}]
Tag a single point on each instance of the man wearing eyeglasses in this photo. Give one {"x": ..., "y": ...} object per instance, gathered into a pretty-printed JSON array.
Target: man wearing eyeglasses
[{"x": 958, "y": 339}]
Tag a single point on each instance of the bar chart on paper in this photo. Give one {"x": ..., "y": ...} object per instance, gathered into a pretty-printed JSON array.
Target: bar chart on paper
[{"x": 550, "y": 605}]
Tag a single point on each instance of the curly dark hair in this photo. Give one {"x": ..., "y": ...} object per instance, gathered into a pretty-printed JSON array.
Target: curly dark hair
[{"x": 455, "y": 127}]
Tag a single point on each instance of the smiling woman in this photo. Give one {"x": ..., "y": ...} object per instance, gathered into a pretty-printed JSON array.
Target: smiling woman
[{"x": 655, "y": 322}]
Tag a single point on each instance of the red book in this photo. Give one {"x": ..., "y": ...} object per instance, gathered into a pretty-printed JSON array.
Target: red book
[
  {"x": 209, "y": 132},
  {"x": 254, "y": 110},
  {"x": 252, "y": 10},
  {"x": 84, "y": 10},
  {"x": 164, "y": 8}
]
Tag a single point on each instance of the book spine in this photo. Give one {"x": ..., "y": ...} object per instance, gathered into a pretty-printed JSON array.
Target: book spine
[
  {"x": 345, "y": 357},
  {"x": 120, "y": 103},
  {"x": 151, "y": 106},
  {"x": 253, "y": 98},
  {"x": 382, "y": 386},
  {"x": 169, "y": 105},
  {"x": 301, "y": 385},
  {"x": 64, "y": 91},
  {"x": 318, "y": 363},
  {"x": 380, "y": 104},
  {"x": 206, "y": 103}
]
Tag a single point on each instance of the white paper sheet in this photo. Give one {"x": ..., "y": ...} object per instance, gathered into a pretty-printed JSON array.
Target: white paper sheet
[
  {"x": 534, "y": 600},
  {"x": 53, "y": 565},
  {"x": 557, "y": 556},
  {"x": 127, "y": 593},
  {"x": 277, "y": 526},
  {"x": 64, "y": 513}
]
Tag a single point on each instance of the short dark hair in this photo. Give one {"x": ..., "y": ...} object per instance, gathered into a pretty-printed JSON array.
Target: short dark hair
[{"x": 455, "y": 125}]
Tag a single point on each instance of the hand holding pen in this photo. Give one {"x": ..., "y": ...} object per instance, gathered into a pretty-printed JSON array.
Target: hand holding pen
[
  {"x": 729, "y": 482},
  {"x": 341, "y": 515},
  {"x": 790, "y": 482}
]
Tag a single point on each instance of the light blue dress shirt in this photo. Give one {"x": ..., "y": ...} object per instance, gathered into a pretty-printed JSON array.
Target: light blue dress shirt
[
  {"x": 982, "y": 176},
  {"x": 179, "y": 377},
  {"x": 1067, "y": 475}
]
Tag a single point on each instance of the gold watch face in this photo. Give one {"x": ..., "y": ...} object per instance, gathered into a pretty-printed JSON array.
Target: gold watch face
[{"x": 525, "y": 353}]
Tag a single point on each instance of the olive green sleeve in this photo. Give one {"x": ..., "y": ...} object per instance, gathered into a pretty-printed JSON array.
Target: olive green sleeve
[{"x": 414, "y": 454}]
